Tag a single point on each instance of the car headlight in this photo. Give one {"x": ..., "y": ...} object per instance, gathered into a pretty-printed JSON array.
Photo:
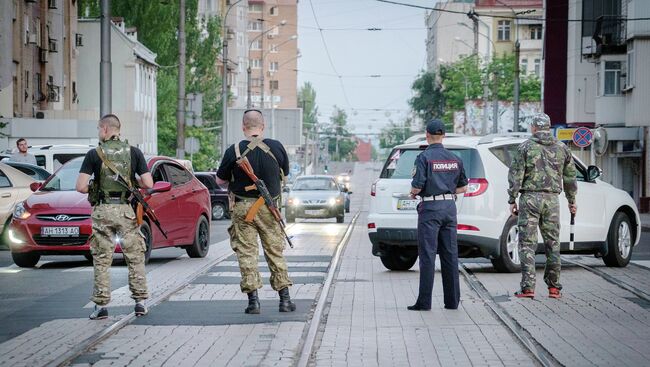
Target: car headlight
[
  {"x": 332, "y": 201},
  {"x": 293, "y": 201},
  {"x": 20, "y": 212}
]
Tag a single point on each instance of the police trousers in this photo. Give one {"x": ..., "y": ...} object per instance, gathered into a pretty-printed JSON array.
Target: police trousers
[
  {"x": 437, "y": 234},
  {"x": 111, "y": 223},
  {"x": 244, "y": 241}
]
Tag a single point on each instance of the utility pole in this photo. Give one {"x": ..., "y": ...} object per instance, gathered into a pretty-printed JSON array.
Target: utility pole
[
  {"x": 495, "y": 104},
  {"x": 105, "y": 67},
  {"x": 515, "y": 104},
  {"x": 262, "y": 68},
  {"x": 180, "y": 111},
  {"x": 224, "y": 81}
]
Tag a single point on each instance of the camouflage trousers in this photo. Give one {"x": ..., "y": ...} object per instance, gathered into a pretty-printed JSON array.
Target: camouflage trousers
[
  {"x": 111, "y": 221},
  {"x": 243, "y": 240},
  {"x": 537, "y": 209}
]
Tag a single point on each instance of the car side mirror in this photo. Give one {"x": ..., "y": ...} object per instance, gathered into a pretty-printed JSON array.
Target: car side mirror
[
  {"x": 286, "y": 189},
  {"x": 34, "y": 186},
  {"x": 593, "y": 173},
  {"x": 161, "y": 186},
  {"x": 344, "y": 189}
]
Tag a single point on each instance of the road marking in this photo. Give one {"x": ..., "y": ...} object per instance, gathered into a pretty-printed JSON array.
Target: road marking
[{"x": 266, "y": 274}]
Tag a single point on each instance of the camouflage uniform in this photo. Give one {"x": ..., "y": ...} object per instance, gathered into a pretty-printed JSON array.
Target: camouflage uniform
[
  {"x": 113, "y": 221},
  {"x": 542, "y": 167},
  {"x": 243, "y": 240}
]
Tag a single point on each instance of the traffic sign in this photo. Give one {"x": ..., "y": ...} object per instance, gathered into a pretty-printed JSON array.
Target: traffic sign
[
  {"x": 192, "y": 145},
  {"x": 564, "y": 134},
  {"x": 582, "y": 137}
]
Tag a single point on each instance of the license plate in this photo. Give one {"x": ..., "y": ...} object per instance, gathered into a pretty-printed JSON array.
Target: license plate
[
  {"x": 314, "y": 212},
  {"x": 407, "y": 204},
  {"x": 59, "y": 231}
]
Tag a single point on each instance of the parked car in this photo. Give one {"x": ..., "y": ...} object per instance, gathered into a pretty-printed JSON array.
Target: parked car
[
  {"x": 14, "y": 188},
  {"x": 607, "y": 224},
  {"x": 315, "y": 196},
  {"x": 55, "y": 220},
  {"x": 51, "y": 157},
  {"x": 218, "y": 196},
  {"x": 36, "y": 172}
]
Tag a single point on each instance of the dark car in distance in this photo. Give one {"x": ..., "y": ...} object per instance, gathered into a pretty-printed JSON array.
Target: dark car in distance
[{"x": 218, "y": 196}]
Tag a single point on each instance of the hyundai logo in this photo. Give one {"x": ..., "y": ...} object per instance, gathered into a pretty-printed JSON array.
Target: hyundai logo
[{"x": 62, "y": 218}]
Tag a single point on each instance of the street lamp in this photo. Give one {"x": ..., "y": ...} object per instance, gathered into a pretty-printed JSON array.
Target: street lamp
[
  {"x": 224, "y": 80},
  {"x": 248, "y": 70}
]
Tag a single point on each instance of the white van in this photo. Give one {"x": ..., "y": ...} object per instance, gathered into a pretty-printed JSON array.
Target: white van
[{"x": 51, "y": 157}]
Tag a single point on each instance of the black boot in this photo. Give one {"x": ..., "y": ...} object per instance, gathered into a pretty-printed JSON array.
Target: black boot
[
  {"x": 285, "y": 301},
  {"x": 253, "y": 303}
]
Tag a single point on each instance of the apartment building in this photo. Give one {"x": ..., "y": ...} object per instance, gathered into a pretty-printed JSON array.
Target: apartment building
[
  {"x": 273, "y": 52},
  {"x": 600, "y": 81},
  {"x": 451, "y": 36}
]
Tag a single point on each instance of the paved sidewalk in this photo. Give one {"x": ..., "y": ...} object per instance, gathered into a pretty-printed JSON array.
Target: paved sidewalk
[{"x": 368, "y": 323}]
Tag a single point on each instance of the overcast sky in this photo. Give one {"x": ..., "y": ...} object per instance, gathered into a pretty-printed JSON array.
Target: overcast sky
[{"x": 397, "y": 53}]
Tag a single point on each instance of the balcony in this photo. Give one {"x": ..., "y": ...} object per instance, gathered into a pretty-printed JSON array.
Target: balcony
[
  {"x": 610, "y": 35},
  {"x": 610, "y": 109}
]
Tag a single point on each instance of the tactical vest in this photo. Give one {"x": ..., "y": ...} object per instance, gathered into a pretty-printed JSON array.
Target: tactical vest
[{"x": 119, "y": 154}]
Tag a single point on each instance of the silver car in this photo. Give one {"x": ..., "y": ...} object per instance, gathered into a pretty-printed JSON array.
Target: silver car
[{"x": 315, "y": 196}]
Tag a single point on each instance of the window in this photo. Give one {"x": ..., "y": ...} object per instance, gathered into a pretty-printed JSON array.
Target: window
[
  {"x": 535, "y": 33},
  {"x": 254, "y": 8},
  {"x": 159, "y": 174},
  {"x": 256, "y": 45},
  {"x": 37, "y": 87},
  {"x": 240, "y": 39},
  {"x": 255, "y": 83},
  {"x": 538, "y": 67},
  {"x": 503, "y": 30},
  {"x": 4, "y": 180},
  {"x": 612, "y": 80},
  {"x": 29, "y": 172},
  {"x": 255, "y": 26},
  {"x": 273, "y": 84},
  {"x": 524, "y": 66},
  {"x": 177, "y": 175},
  {"x": 592, "y": 9},
  {"x": 401, "y": 161},
  {"x": 273, "y": 66},
  {"x": 273, "y": 48},
  {"x": 256, "y": 63},
  {"x": 61, "y": 159},
  {"x": 208, "y": 182},
  {"x": 629, "y": 76},
  {"x": 274, "y": 10}
]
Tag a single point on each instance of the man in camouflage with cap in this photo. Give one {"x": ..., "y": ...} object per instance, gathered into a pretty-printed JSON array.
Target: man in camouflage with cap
[{"x": 540, "y": 169}]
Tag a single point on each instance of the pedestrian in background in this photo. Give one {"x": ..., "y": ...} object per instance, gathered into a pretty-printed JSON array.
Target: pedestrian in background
[
  {"x": 114, "y": 220},
  {"x": 540, "y": 169},
  {"x": 22, "y": 155},
  {"x": 270, "y": 163},
  {"x": 439, "y": 176}
]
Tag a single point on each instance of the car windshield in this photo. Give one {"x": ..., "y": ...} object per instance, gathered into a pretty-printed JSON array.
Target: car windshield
[
  {"x": 315, "y": 184},
  {"x": 401, "y": 162},
  {"x": 65, "y": 178}
]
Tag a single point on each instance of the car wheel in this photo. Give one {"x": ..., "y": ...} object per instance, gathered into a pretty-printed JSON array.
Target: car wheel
[
  {"x": 145, "y": 229},
  {"x": 619, "y": 242},
  {"x": 399, "y": 259},
  {"x": 201, "y": 243},
  {"x": 508, "y": 260},
  {"x": 25, "y": 260},
  {"x": 218, "y": 211},
  {"x": 290, "y": 218},
  {"x": 89, "y": 257}
]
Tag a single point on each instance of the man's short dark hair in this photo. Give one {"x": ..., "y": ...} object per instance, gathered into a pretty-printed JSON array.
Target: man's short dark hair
[
  {"x": 110, "y": 120},
  {"x": 20, "y": 140}
]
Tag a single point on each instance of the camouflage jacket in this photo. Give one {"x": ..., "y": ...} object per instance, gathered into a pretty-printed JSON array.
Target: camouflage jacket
[{"x": 542, "y": 164}]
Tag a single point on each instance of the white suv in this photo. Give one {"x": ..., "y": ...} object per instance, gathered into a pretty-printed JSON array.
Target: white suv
[{"x": 607, "y": 223}]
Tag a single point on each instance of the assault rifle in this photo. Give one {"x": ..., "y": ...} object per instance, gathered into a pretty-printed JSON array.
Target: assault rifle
[{"x": 245, "y": 166}]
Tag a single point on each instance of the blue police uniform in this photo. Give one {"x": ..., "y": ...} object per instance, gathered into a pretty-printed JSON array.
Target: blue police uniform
[{"x": 438, "y": 173}]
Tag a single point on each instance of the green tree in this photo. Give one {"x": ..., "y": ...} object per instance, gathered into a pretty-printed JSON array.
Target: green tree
[
  {"x": 157, "y": 24},
  {"x": 341, "y": 144},
  {"x": 428, "y": 101},
  {"x": 394, "y": 134},
  {"x": 307, "y": 101}
]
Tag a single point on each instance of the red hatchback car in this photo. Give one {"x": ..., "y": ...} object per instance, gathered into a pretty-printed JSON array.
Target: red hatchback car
[{"x": 55, "y": 220}]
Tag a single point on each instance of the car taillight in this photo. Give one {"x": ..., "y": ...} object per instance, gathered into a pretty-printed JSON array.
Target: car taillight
[
  {"x": 466, "y": 227},
  {"x": 373, "y": 189},
  {"x": 476, "y": 186},
  {"x": 371, "y": 226}
]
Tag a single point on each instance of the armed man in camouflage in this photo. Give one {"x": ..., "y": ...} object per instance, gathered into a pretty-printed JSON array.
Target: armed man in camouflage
[
  {"x": 541, "y": 168},
  {"x": 270, "y": 163},
  {"x": 114, "y": 220}
]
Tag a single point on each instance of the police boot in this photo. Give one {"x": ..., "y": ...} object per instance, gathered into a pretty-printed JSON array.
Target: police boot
[
  {"x": 285, "y": 301},
  {"x": 253, "y": 303}
]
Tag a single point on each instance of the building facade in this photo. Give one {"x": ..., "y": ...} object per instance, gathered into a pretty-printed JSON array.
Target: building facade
[
  {"x": 134, "y": 82},
  {"x": 606, "y": 85},
  {"x": 273, "y": 53},
  {"x": 441, "y": 48}
]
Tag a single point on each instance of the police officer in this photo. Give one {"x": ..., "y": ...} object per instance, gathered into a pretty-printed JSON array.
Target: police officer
[
  {"x": 270, "y": 163},
  {"x": 542, "y": 166},
  {"x": 114, "y": 220},
  {"x": 438, "y": 177}
]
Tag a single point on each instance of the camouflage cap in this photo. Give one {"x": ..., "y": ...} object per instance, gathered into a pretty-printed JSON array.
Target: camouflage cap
[{"x": 541, "y": 121}]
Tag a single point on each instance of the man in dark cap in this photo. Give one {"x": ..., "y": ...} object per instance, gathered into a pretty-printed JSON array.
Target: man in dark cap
[{"x": 438, "y": 177}]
